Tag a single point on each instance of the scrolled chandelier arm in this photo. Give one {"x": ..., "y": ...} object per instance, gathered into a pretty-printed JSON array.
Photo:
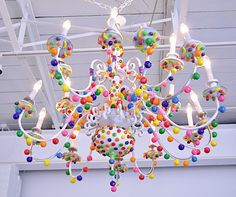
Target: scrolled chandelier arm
[{"x": 119, "y": 105}]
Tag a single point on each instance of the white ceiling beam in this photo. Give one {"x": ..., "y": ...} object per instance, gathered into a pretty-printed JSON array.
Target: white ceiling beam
[
  {"x": 34, "y": 36},
  {"x": 16, "y": 47}
]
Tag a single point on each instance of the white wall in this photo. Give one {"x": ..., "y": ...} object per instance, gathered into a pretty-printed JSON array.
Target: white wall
[{"x": 211, "y": 181}]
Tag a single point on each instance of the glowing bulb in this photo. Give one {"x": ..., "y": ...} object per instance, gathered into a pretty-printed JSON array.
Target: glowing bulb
[
  {"x": 171, "y": 89},
  {"x": 184, "y": 30},
  {"x": 68, "y": 83},
  {"x": 207, "y": 65},
  {"x": 195, "y": 100},
  {"x": 36, "y": 88},
  {"x": 172, "y": 43},
  {"x": 189, "y": 112},
  {"x": 66, "y": 27},
  {"x": 42, "y": 115},
  {"x": 114, "y": 12}
]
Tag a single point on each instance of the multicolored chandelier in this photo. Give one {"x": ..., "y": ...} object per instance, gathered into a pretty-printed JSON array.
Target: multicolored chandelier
[{"x": 119, "y": 105}]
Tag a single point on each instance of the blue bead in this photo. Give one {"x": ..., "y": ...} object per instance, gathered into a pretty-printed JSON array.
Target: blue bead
[
  {"x": 148, "y": 64},
  {"x": 71, "y": 124},
  {"x": 149, "y": 89},
  {"x": 171, "y": 78},
  {"x": 130, "y": 105},
  {"x": 150, "y": 130},
  {"x": 18, "y": 110},
  {"x": 109, "y": 69},
  {"x": 94, "y": 78},
  {"x": 154, "y": 108},
  {"x": 15, "y": 116},
  {"x": 79, "y": 178},
  {"x": 29, "y": 159},
  {"x": 110, "y": 43},
  {"x": 59, "y": 155},
  {"x": 79, "y": 109},
  {"x": 175, "y": 99},
  {"x": 85, "y": 92},
  {"x": 112, "y": 183},
  {"x": 222, "y": 109},
  {"x": 181, "y": 147},
  {"x": 134, "y": 98},
  {"x": 200, "y": 131},
  {"x": 111, "y": 161},
  {"x": 165, "y": 103},
  {"x": 54, "y": 62},
  {"x": 94, "y": 97},
  {"x": 194, "y": 159},
  {"x": 143, "y": 108}
]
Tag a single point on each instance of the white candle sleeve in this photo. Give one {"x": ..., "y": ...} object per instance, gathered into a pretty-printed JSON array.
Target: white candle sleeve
[
  {"x": 36, "y": 88},
  {"x": 171, "y": 90},
  {"x": 172, "y": 43},
  {"x": 42, "y": 115},
  {"x": 196, "y": 102},
  {"x": 207, "y": 65},
  {"x": 189, "y": 112}
]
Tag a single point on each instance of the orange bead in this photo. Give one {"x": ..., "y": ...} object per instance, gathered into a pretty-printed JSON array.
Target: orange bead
[
  {"x": 132, "y": 159},
  {"x": 159, "y": 117},
  {"x": 150, "y": 51},
  {"x": 197, "y": 53},
  {"x": 89, "y": 99},
  {"x": 69, "y": 53},
  {"x": 54, "y": 51},
  {"x": 186, "y": 163},
  {"x": 139, "y": 105},
  {"x": 75, "y": 115},
  {"x": 43, "y": 144},
  {"x": 170, "y": 139},
  {"x": 146, "y": 124},
  {"x": 92, "y": 147},
  {"x": 82, "y": 122},
  {"x": 109, "y": 61},
  {"x": 156, "y": 101}
]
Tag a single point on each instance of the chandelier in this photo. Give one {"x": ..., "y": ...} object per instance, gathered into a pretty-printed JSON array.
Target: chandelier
[{"x": 119, "y": 105}]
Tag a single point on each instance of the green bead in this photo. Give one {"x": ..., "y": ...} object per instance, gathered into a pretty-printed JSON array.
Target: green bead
[
  {"x": 126, "y": 96},
  {"x": 148, "y": 104},
  {"x": 171, "y": 115},
  {"x": 67, "y": 145},
  {"x": 214, "y": 123},
  {"x": 114, "y": 134},
  {"x": 58, "y": 75},
  {"x": 157, "y": 88},
  {"x": 87, "y": 106},
  {"x": 103, "y": 131},
  {"x": 112, "y": 172},
  {"x": 60, "y": 82},
  {"x": 148, "y": 41},
  {"x": 188, "y": 55},
  {"x": 67, "y": 172},
  {"x": 144, "y": 33},
  {"x": 98, "y": 92},
  {"x": 113, "y": 106},
  {"x": 120, "y": 145},
  {"x": 214, "y": 134},
  {"x": 19, "y": 133},
  {"x": 167, "y": 156},
  {"x": 196, "y": 76},
  {"x": 161, "y": 131}
]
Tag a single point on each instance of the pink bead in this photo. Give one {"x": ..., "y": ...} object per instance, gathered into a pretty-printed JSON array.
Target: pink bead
[
  {"x": 64, "y": 133},
  {"x": 189, "y": 132},
  {"x": 197, "y": 142},
  {"x": 135, "y": 169},
  {"x": 105, "y": 93},
  {"x": 221, "y": 98},
  {"x": 194, "y": 151},
  {"x": 113, "y": 189},
  {"x": 164, "y": 84},
  {"x": 108, "y": 52},
  {"x": 154, "y": 139},
  {"x": 67, "y": 164},
  {"x": 187, "y": 89},
  {"x": 129, "y": 98},
  {"x": 89, "y": 158},
  {"x": 75, "y": 98}
]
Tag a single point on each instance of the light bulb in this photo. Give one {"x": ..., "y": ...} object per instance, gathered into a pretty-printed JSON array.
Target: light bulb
[
  {"x": 66, "y": 27},
  {"x": 68, "y": 83},
  {"x": 114, "y": 12},
  {"x": 184, "y": 30},
  {"x": 171, "y": 89},
  {"x": 36, "y": 88},
  {"x": 172, "y": 43},
  {"x": 189, "y": 112},
  {"x": 195, "y": 100},
  {"x": 207, "y": 65},
  {"x": 42, "y": 115}
]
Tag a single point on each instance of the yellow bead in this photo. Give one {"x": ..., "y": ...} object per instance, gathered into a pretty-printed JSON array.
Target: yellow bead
[
  {"x": 103, "y": 136},
  {"x": 199, "y": 62},
  {"x": 65, "y": 88},
  {"x": 118, "y": 183},
  {"x": 151, "y": 176},
  {"x": 123, "y": 137},
  {"x": 213, "y": 143},
  {"x": 46, "y": 162},
  {"x": 137, "y": 111},
  {"x": 138, "y": 92},
  {"x": 176, "y": 162},
  {"x": 174, "y": 70},
  {"x": 156, "y": 122},
  {"x": 144, "y": 87},
  {"x": 176, "y": 130},
  {"x": 145, "y": 96},
  {"x": 77, "y": 127},
  {"x": 29, "y": 141},
  {"x": 72, "y": 180},
  {"x": 120, "y": 95}
]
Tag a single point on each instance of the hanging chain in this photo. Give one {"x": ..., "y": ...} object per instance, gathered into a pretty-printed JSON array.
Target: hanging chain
[{"x": 125, "y": 4}]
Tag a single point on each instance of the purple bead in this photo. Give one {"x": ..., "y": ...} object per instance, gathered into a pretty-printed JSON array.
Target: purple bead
[
  {"x": 200, "y": 131},
  {"x": 150, "y": 33},
  {"x": 148, "y": 64},
  {"x": 112, "y": 183},
  {"x": 181, "y": 147},
  {"x": 15, "y": 116},
  {"x": 110, "y": 43},
  {"x": 29, "y": 159}
]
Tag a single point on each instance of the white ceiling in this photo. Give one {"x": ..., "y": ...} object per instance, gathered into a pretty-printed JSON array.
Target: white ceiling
[{"x": 209, "y": 21}]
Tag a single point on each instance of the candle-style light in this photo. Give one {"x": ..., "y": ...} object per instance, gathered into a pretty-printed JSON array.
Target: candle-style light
[
  {"x": 171, "y": 89},
  {"x": 66, "y": 27},
  {"x": 36, "y": 88},
  {"x": 185, "y": 31},
  {"x": 42, "y": 115},
  {"x": 207, "y": 65},
  {"x": 189, "y": 112},
  {"x": 68, "y": 83},
  {"x": 196, "y": 102},
  {"x": 172, "y": 43}
]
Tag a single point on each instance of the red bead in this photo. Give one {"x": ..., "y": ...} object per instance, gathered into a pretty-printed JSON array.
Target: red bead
[
  {"x": 207, "y": 149},
  {"x": 152, "y": 100},
  {"x": 198, "y": 152},
  {"x": 55, "y": 140},
  {"x": 141, "y": 177},
  {"x": 166, "y": 124},
  {"x": 143, "y": 80},
  {"x": 151, "y": 118},
  {"x": 85, "y": 169},
  {"x": 83, "y": 101},
  {"x": 27, "y": 152},
  {"x": 72, "y": 136},
  {"x": 159, "y": 148}
]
